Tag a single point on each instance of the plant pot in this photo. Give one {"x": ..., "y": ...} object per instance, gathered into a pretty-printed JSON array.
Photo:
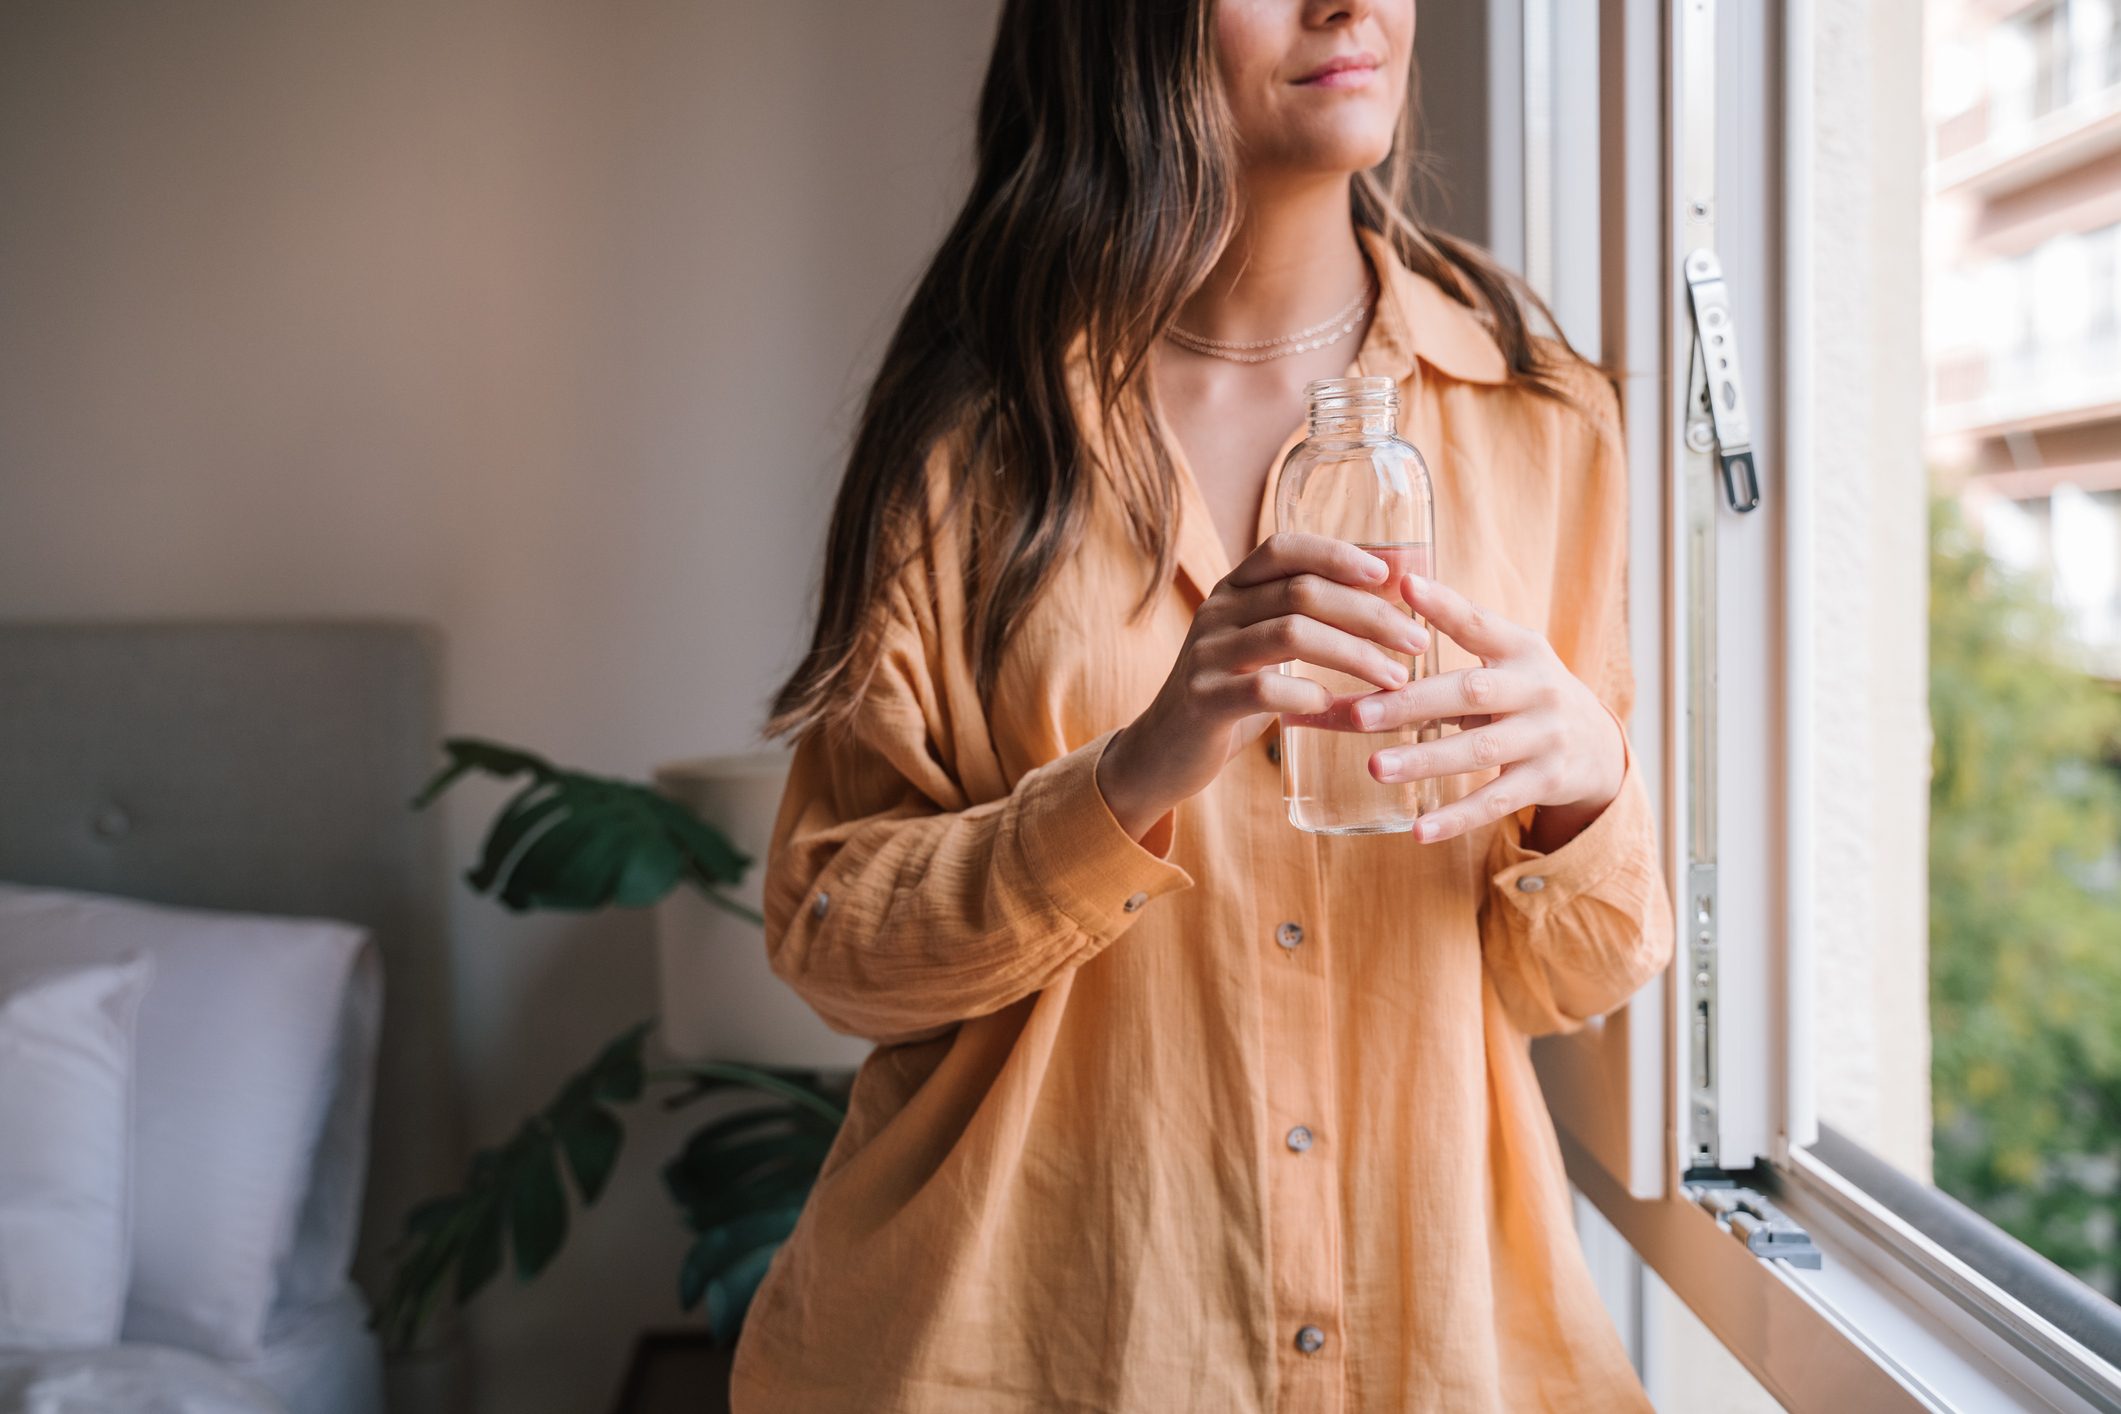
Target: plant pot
[{"x": 720, "y": 999}]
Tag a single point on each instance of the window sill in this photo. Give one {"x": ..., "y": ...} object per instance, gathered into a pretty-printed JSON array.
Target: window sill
[{"x": 1890, "y": 1321}]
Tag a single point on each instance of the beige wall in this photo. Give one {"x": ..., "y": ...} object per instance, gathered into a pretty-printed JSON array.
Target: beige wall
[{"x": 541, "y": 321}]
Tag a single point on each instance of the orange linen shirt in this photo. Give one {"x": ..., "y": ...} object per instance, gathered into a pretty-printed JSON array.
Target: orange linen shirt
[{"x": 1240, "y": 1118}]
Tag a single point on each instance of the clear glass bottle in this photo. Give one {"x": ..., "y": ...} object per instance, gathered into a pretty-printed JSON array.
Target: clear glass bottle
[{"x": 1354, "y": 479}]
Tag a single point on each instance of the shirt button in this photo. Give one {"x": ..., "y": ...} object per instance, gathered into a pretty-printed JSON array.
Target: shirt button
[
  {"x": 820, "y": 904},
  {"x": 1289, "y": 935},
  {"x": 1309, "y": 1339},
  {"x": 1134, "y": 902},
  {"x": 1299, "y": 1138},
  {"x": 1531, "y": 884}
]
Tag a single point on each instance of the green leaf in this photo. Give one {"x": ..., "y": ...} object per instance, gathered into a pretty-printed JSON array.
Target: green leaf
[
  {"x": 713, "y": 855},
  {"x": 432, "y": 1214},
  {"x": 469, "y": 754},
  {"x": 651, "y": 871},
  {"x": 738, "y": 1123},
  {"x": 481, "y": 1257},
  {"x": 731, "y": 1164},
  {"x": 615, "y": 1073},
  {"x": 800, "y": 1087},
  {"x": 573, "y": 841},
  {"x": 537, "y": 1209},
  {"x": 704, "y": 1175},
  {"x": 514, "y": 1191},
  {"x": 494, "y": 757},
  {"x": 693, "y": 1275},
  {"x": 570, "y": 867},
  {"x": 724, "y": 1243},
  {"x": 533, "y": 806},
  {"x": 756, "y": 1158},
  {"x": 780, "y": 1182},
  {"x": 530, "y": 878},
  {"x": 441, "y": 781},
  {"x": 591, "y": 1142},
  {"x": 586, "y": 878},
  {"x": 729, "y": 1295}
]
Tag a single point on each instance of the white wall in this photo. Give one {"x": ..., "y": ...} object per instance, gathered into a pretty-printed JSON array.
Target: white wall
[
  {"x": 1869, "y": 491},
  {"x": 538, "y": 321}
]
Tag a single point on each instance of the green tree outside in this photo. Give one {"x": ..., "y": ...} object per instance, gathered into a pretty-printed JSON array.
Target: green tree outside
[{"x": 2025, "y": 913}]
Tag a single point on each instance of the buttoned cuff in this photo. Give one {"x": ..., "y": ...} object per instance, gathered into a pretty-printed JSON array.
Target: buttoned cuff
[
  {"x": 1537, "y": 884},
  {"x": 1076, "y": 849}
]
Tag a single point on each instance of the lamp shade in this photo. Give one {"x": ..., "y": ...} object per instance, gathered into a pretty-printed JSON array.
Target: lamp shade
[{"x": 719, "y": 999}]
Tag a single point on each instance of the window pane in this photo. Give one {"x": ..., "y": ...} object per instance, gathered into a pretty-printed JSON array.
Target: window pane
[{"x": 1968, "y": 654}]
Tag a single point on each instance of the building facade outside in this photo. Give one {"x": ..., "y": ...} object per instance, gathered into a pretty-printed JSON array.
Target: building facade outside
[
  {"x": 2023, "y": 425},
  {"x": 2024, "y": 290}
]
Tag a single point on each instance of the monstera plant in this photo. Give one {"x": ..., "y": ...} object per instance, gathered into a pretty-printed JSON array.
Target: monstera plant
[{"x": 575, "y": 842}]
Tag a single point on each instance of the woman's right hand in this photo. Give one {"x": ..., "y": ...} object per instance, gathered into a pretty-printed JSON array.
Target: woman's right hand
[{"x": 1296, "y": 597}]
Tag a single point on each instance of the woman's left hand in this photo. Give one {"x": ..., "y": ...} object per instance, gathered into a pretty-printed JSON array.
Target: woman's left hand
[{"x": 1522, "y": 710}]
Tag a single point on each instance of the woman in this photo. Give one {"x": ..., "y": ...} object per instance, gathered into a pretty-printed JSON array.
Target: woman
[{"x": 1176, "y": 1108}]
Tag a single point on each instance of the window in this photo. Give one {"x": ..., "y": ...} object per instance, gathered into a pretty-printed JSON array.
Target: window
[
  {"x": 2095, "y": 45},
  {"x": 2045, "y": 37},
  {"x": 2102, "y": 296},
  {"x": 1882, "y": 709},
  {"x": 2001, "y": 72}
]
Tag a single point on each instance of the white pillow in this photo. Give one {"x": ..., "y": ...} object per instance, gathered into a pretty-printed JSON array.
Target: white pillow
[
  {"x": 66, "y": 1075},
  {"x": 314, "y": 1271},
  {"x": 237, "y": 1050}
]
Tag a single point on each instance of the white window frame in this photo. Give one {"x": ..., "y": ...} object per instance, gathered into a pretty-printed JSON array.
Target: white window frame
[
  {"x": 1892, "y": 1319},
  {"x": 1553, "y": 122}
]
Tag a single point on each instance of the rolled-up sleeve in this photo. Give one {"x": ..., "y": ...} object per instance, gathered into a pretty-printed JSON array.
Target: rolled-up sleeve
[
  {"x": 1570, "y": 934},
  {"x": 897, "y": 908}
]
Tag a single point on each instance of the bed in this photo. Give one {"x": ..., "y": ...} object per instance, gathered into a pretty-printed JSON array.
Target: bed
[{"x": 255, "y": 768}]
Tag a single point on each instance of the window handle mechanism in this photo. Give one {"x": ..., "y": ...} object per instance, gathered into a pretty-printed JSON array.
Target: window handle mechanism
[{"x": 1720, "y": 381}]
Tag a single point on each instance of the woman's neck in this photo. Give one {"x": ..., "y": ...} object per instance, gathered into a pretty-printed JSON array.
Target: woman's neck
[{"x": 1293, "y": 261}]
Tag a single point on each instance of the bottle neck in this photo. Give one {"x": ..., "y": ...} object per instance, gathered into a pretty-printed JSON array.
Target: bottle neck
[
  {"x": 1342, "y": 422},
  {"x": 1352, "y": 407}
]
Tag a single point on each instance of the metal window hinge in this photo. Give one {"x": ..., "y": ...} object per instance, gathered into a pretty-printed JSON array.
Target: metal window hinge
[
  {"x": 1748, "y": 1216},
  {"x": 1719, "y": 390},
  {"x": 1699, "y": 933}
]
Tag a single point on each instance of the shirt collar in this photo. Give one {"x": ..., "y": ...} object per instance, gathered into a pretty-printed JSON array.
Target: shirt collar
[
  {"x": 1417, "y": 320},
  {"x": 1415, "y": 323}
]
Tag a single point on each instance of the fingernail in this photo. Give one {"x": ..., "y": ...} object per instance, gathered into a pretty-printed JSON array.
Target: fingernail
[
  {"x": 1374, "y": 568},
  {"x": 1416, "y": 582},
  {"x": 1425, "y": 829},
  {"x": 1367, "y": 715},
  {"x": 1386, "y": 765}
]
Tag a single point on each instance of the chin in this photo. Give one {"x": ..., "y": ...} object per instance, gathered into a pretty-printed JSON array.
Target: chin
[
  {"x": 1337, "y": 130},
  {"x": 1342, "y": 151}
]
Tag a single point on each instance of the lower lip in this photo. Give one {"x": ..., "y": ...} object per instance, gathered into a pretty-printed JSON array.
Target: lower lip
[{"x": 1341, "y": 78}]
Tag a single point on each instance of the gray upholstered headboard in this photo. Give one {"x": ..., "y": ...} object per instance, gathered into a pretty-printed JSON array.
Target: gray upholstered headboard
[{"x": 260, "y": 767}]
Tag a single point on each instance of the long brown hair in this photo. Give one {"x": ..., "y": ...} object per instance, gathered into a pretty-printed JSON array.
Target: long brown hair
[{"x": 1105, "y": 190}]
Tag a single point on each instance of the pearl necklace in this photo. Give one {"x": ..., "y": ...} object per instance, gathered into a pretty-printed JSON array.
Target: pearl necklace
[{"x": 1318, "y": 336}]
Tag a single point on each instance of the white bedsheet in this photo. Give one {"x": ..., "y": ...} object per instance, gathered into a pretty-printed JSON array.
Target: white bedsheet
[
  {"x": 126, "y": 1379},
  {"x": 321, "y": 1360}
]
